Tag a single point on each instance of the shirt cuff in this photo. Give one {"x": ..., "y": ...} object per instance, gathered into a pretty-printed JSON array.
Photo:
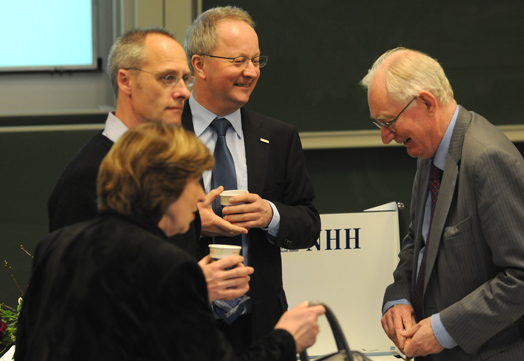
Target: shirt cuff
[
  {"x": 390, "y": 304},
  {"x": 274, "y": 226},
  {"x": 440, "y": 332}
]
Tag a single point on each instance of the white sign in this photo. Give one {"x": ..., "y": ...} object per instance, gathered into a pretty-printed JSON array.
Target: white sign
[{"x": 348, "y": 269}]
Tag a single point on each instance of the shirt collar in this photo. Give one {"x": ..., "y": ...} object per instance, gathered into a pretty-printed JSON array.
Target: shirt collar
[
  {"x": 114, "y": 128},
  {"x": 442, "y": 151},
  {"x": 202, "y": 118}
]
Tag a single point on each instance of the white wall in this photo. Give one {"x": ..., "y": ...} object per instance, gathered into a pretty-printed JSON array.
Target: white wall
[{"x": 91, "y": 92}]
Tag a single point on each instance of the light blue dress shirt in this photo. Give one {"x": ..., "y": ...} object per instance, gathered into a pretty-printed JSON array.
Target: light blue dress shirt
[
  {"x": 439, "y": 160},
  {"x": 202, "y": 119}
]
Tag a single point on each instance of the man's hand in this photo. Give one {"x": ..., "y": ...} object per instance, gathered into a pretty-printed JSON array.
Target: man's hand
[
  {"x": 421, "y": 340},
  {"x": 223, "y": 283},
  {"x": 213, "y": 225},
  {"x": 395, "y": 321},
  {"x": 248, "y": 210},
  {"x": 301, "y": 323}
]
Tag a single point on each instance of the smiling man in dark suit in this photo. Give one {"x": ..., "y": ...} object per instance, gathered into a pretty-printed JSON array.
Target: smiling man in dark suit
[
  {"x": 458, "y": 291},
  {"x": 223, "y": 52}
]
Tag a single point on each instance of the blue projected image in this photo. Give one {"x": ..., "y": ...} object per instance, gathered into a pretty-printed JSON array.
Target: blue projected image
[{"x": 47, "y": 35}]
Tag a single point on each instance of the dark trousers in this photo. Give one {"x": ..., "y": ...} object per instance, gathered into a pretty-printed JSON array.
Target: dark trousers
[{"x": 238, "y": 333}]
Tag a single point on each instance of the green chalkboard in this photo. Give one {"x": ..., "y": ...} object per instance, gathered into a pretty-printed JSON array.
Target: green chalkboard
[{"x": 319, "y": 50}]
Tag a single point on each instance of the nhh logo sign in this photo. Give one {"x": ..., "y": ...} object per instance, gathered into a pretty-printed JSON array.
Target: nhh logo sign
[
  {"x": 334, "y": 239},
  {"x": 348, "y": 268}
]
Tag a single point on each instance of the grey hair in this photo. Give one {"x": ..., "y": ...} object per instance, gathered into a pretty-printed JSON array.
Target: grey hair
[
  {"x": 201, "y": 35},
  {"x": 411, "y": 73}
]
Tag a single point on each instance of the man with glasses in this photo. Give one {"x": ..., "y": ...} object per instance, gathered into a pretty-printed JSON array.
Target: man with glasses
[
  {"x": 458, "y": 291},
  {"x": 150, "y": 77},
  {"x": 390, "y": 125},
  {"x": 149, "y": 74},
  {"x": 266, "y": 159}
]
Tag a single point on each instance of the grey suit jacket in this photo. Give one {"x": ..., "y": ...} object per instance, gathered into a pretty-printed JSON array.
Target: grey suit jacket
[{"x": 475, "y": 265}]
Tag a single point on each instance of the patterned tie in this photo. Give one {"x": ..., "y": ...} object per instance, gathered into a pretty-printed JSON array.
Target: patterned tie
[
  {"x": 224, "y": 175},
  {"x": 224, "y": 172},
  {"x": 435, "y": 175}
]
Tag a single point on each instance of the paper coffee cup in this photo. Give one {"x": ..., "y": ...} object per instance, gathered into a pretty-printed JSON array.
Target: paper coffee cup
[
  {"x": 219, "y": 251},
  {"x": 226, "y": 195}
]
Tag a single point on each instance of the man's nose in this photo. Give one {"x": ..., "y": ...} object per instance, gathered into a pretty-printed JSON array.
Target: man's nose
[
  {"x": 251, "y": 70},
  {"x": 387, "y": 135},
  {"x": 181, "y": 90}
]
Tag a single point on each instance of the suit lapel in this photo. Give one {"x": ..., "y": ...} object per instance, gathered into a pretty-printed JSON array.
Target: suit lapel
[
  {"x": 187, "y": 118},
  {"x": 447, "y": 189},
  {"x": 256, "y": 141},
  {"x": 423, "y": 184}
]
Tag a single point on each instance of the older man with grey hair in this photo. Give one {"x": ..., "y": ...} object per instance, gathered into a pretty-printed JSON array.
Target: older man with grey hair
[{"x": 458, "y": 291}]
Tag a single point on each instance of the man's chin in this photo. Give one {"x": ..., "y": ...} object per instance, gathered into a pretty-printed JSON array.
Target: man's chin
[
  {"x": 412, "y": 153},
  {"x": 242, "y": 97},
  {"x": 176, "y": 120}
]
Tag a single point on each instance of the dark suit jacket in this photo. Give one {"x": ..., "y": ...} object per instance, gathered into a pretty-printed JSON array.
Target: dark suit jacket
[
  {"x": 475, "y": 261},
  {"x": 276, "y": 172},
  {"x": 113, "y": 289},
  {"x": 73, "y": 198}
]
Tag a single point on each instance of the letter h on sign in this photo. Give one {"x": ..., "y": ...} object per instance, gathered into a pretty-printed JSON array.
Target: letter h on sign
[{"x": 336, "y": 239}]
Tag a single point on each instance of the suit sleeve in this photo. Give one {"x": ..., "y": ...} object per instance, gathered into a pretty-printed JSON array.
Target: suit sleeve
[
  {"x": 189, "y": 331},
  {"x": 299, "y": 219},
  {"x": 74, "y": 196},
  {"x": 401, "y": 287}
]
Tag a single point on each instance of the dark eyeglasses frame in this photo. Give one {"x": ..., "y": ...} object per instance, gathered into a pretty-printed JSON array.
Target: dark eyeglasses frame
[
  {"x": 262, "y": 60},
  {"x": 189, "y": 80},
  {"x": 389, "y": 124}
]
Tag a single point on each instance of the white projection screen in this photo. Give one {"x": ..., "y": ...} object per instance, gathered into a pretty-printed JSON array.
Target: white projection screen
[{"x": 47, "y": 35}]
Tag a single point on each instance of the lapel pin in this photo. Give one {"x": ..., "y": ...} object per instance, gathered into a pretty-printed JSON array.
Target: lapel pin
[{"x": 264, "y": 140}]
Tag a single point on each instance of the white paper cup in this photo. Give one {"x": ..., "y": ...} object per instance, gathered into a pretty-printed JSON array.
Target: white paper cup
[
  {"x": 219, "y": 251},
  {"x": 226, "y": 195}
]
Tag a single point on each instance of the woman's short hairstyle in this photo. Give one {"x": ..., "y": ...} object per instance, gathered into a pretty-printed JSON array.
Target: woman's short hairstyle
[
  {"x": 201, "y": 35},
  {"x": 410, "y": 73},
  {"x": 128, "y": 51},
  {"x": 148, "y": 169}
]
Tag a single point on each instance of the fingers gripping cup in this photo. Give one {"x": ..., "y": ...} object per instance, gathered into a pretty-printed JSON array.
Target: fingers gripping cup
[
  {"x": 225, "y": 196},
  {"x": 227, "y": 310},
  {"x": 219, "y": 251}
]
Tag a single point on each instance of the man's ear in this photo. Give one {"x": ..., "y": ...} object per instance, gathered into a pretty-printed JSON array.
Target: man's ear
[
  {"x": 198, "y": 66},
  {"x": 124, "y": 81},
  {"x": 429, "y": 100}
]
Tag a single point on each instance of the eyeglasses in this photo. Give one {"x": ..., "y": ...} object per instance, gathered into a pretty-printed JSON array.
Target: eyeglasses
[
  {"x": 170, "y": 79},
  {"x": 389, "y": 124},
  {"x": 242, "y": 61}
]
